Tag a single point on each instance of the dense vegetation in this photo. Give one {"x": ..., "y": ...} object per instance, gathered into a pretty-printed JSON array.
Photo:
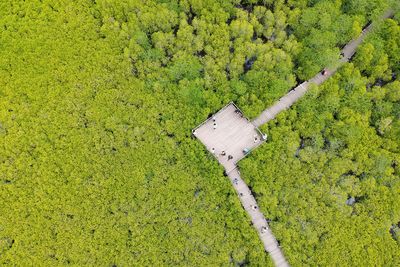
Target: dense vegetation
[
  {"x": 97, "y": 100},
  {"x": 330, "y": 183}
]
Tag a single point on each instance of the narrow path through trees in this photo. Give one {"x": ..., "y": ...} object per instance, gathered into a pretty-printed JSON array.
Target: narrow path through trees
[
  {"x": 258, "y": 220},
  {"x": 245, "y": 195},
  {"x": 290, "y": 98},
  {"x": 247, "y": 199}
]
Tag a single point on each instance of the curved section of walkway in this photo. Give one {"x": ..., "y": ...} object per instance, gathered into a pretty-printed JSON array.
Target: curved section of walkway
[
  {"x": 290, "y": 98},
  {"x": 257, "y": 218}
]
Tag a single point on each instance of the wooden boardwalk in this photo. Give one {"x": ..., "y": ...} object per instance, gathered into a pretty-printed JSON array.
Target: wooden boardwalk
[
  {"x": 257, "y": 218},
  {"x": 290, "y": 98},
  {"x": 227, "y": 134},
  {"x": 233, "y": 132}
]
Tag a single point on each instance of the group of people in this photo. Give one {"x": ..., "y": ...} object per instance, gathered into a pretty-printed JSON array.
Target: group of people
[
  {"x": 263, "y": 229},
  {"x": 239, "y": 112},
  {"x": 214, "y": 123},
  {"x": 223, "y": 153}
]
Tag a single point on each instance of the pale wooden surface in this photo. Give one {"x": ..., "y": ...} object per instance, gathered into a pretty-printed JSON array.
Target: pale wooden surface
[
  {"x": 233, "y": 134},
  {"x": 257, "y": 218},
  {"x": 290, "y": 98}
]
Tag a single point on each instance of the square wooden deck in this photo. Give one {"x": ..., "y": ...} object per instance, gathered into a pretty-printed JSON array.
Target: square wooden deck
[{"x": 229, "y": 136}]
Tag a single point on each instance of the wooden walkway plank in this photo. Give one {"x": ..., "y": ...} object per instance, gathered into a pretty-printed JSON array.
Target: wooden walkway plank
[
  {"x": 257, "y": 218},
  {"x": 295, "y": 94},
  {"x": 229, "y": 131}
]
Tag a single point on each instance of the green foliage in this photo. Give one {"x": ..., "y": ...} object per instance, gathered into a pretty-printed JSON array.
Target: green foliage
[
  {"x": 97, "y": 167},
  {"x": 97, "y": 103},
  {"x": 340, "y": 142}
]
